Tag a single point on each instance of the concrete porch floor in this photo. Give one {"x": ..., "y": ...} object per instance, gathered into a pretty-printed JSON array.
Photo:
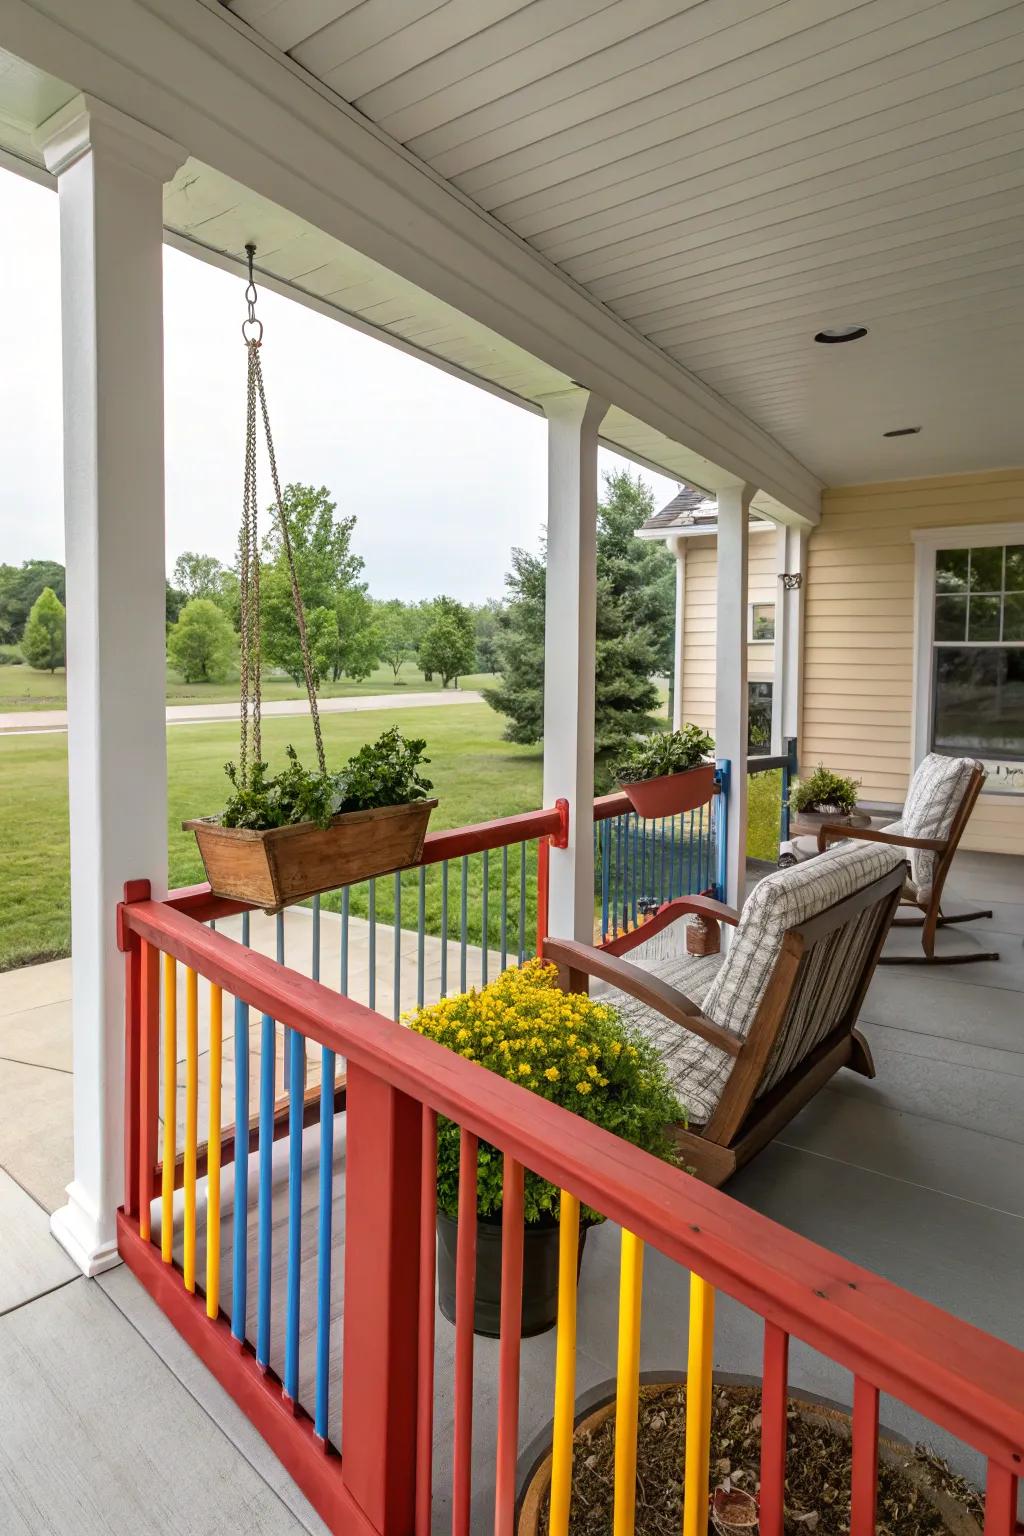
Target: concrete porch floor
[{"x": 918, "y": 1175}]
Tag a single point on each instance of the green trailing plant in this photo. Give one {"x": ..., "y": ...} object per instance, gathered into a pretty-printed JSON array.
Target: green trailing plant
[
  {"x": 825, "y": 791},
  {"x": 384, "y": 772},
  {"x": 651, "y": 757},
  {"x": 565, "y": 1048}
]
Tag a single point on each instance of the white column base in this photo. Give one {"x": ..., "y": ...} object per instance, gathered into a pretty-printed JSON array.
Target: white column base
[{"x": 77, "y": 1228}]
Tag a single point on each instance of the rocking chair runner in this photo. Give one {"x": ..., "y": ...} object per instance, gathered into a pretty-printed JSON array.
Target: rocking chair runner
[
  {"x": 942, "y": 795},
  {"x": 749, "y": 1037}
]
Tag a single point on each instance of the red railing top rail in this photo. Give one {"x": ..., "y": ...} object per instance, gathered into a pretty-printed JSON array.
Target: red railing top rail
[
  {"x": 199, "y": 902},
  {"x": 955, "y": 1375}
]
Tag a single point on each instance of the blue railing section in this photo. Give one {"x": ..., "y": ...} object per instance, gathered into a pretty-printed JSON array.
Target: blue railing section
[{"x": 639, "y": 864}]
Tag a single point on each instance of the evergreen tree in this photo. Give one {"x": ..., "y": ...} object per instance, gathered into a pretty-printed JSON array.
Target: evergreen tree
[
  {"x": 635, "y": 616},
  {"x": 42, "y": 644}
]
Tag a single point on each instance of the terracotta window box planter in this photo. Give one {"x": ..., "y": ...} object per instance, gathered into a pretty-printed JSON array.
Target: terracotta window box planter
[
  {"x": 672, "y": 793},
  {"x": 274, "y": 868}
]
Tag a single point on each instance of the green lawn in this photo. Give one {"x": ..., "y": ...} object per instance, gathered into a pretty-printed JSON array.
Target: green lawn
[
  {"x": 476, "y": 776},
  {"x": 23, "y": 689}
]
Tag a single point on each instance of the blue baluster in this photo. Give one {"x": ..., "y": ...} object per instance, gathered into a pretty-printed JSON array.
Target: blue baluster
[
  {"x": 324, "y": 1237},
  {"x": 421, "y": 930},
  {"x": 345, "y": 905},
  {"x": 463, "y": 921},
  {"x": 295, "y": 1053},
  {"x": 266, "y": 1148},
  {"x": 396, "y": 980},
  {"x": 606, "y": 861},
  {"x": 444, "y": 927},
  {"x": 485, "y": 918},
  {"x": 504, "y": 906},
  {"x": 372, "y": 899}
]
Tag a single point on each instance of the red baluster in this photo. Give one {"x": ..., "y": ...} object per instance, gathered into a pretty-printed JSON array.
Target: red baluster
[
  {"x": 508, "y": 1352},
  {"x": 465, "y": 1300},
  {"x": 425, "y": 1374},
  {"x": 773, "y": 1430},
  {"x": 149, "y": 1081},
  {"x": 864, "y": 1477},
  {"x": 1000, "y": 1501},
  {"x": 382, "y": 1244}
]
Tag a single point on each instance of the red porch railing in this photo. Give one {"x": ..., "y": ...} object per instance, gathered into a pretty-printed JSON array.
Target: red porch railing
[{"x": 364, "y": 1456}]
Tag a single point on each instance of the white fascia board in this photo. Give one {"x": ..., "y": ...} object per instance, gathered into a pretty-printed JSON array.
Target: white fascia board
[
  {"x": 667, "y": 534},
  {"x": 191, "y": 70}
]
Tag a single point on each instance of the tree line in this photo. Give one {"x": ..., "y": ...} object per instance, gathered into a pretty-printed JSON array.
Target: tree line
[{"x": 351, "y": 633}]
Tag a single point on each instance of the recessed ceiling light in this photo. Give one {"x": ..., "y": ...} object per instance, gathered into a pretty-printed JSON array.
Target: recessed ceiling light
[
  {"x": 835, "y": 335},
  {"x": 902, "y": 432}
]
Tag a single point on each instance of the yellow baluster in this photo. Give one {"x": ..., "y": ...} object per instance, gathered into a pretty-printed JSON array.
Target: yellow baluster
[
  {"x": 170, "y": 1107},
  {"x": 698, "y": 1407},
  {"x": 213, "y": 1156},
  {"x": 627, "y": 1397},
  {"x": 191, "y": 1121},
  {"x": 565, "y": 1366}
]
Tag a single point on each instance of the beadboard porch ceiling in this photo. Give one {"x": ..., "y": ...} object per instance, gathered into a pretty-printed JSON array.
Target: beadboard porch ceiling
[{"x": 733, "y": 175}]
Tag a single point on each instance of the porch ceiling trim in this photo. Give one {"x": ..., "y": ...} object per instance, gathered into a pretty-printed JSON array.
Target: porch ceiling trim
[{"x": 195, "y": 73}]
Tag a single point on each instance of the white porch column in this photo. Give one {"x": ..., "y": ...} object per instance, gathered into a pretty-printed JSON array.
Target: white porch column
[
  {"x": 731, "y": 675},
  {"x": 110, "y": 172},
  {"x": 791, "y": 556},
  {"x": 570, "y": 618},
  {"x": 678, "y": 657}
]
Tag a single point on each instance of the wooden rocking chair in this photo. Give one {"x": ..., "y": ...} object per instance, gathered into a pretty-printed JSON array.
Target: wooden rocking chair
[
  {"x": 749, "y": 1037},
  {"x": 940, "y": 800}
]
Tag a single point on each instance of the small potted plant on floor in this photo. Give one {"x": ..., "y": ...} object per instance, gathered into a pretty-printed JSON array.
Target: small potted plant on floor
[
  {"x": 285, "y": 836},
  {"x": 668, "y": 772},
  {"x": 572, "y": 1051},
  {"x": 822, "y": 794}
]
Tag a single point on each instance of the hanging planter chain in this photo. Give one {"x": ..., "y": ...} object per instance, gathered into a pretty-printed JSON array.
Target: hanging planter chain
[{"x": 249, "y": 558}]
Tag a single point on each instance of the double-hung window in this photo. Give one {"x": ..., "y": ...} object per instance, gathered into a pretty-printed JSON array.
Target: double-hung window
[{"x": 971, "y": 644}]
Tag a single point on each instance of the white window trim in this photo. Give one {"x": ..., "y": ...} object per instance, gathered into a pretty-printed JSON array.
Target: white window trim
[
  {"x": 927, "y": 541},
  {"x": 764, "y": 602}
]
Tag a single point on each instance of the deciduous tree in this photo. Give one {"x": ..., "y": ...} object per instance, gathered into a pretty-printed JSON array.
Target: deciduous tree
[
  {"x": 448, "y": 647},
  {"x": 202, "y": 645}
]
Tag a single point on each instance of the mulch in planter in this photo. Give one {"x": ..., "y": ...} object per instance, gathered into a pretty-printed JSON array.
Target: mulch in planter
[{"x": 817, "y": 1471}]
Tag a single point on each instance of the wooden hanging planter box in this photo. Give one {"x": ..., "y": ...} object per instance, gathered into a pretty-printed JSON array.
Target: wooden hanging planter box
[
  {"x": 274, "y": 868},
  {"x": 672, "y": 793}
]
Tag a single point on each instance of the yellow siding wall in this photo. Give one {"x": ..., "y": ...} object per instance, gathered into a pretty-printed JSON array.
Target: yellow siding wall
[
  {"x": 699, "y": 611},
  {"x": 859, "y": 641}
]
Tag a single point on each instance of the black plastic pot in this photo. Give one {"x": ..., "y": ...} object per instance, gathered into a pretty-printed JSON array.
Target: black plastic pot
[{"x": 540, "y": 1274}]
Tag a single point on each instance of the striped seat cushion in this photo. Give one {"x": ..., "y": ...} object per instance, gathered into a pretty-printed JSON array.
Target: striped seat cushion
[
  {"x": 697, "y": 1071},
  {"x": 935, "y": 795}
]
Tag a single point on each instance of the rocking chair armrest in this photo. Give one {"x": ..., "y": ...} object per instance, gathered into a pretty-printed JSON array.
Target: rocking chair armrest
[
  {"x": 679, "y": 906},
  {"x": 829, "y": 834},
  {"x": 657, "y": 994}
]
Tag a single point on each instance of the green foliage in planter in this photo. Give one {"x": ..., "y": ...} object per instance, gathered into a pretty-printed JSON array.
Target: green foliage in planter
[
  {"x": 663, "y": 752},
  {"x": 824, "y": 790},
  {"x": 384, "y": 772},
  {"x": 563, "y": 1047}
]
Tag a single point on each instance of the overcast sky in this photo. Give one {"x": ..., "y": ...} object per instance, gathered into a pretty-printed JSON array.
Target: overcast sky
[{"x": 443, "y": 477}]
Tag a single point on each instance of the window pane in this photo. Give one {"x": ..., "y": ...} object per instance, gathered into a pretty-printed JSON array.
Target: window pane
[
  {"x": 950, "y": 618},
  {"x": 763, "y": 621},
  {"x": 951, "y": 570},
  {"x": 1013, "y": 616},
  {"x": 987, "y": 569},
  {"x": 1015, "y": 568},
  {"x": 983, "y": 620},
  {"x": 759, "y": 718},
  {"x": 979, "y": 702}
]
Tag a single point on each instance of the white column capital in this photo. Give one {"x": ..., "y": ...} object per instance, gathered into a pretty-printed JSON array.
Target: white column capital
[
  {"x": 85, "y": 124},
  {"x": 574, "y": 404},
  {"x": 735, "y": 493}
]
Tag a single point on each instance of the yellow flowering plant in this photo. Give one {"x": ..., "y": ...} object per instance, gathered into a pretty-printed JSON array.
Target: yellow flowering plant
[{"x": 563, "y": 1046}]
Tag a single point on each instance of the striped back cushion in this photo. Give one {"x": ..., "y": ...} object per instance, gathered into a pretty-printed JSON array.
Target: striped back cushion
[
  {"x": 833, "y": 969},
  {"x": 933, "y": 799}
]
